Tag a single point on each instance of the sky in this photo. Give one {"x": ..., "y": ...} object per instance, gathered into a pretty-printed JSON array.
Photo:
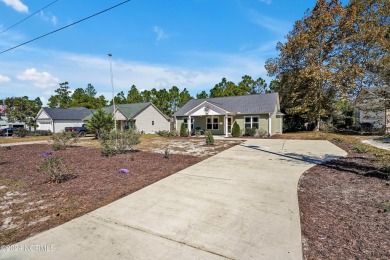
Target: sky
[{"x": 190, "y": 44}]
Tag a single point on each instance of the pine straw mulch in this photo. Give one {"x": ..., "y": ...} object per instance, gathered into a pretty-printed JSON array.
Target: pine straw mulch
[
  {"x": 345, "y": 208},
  {"x": 29, "y": 204}
]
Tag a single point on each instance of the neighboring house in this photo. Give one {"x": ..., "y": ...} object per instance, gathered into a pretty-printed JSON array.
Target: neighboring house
[
  {"x": 56, "y": 119},
  {"x": 146, "y": 117},
  {"x": 5, "y": 123},
  {"x": 261, "y": 111},
  {"x": 373, "y": 107}
]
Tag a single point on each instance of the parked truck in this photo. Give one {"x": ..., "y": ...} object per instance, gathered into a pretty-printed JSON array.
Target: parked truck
[{"x": 80, "y": 130}]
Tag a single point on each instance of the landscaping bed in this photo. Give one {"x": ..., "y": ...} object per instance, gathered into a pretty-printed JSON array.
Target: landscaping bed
[
  {"x": 29, "y": 204},
  {"x": 345, "y": 203}
]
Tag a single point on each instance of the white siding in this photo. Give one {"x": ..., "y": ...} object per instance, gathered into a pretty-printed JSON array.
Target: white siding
[
  {"x": 44, "y": 122},
  {"x": 43, "y": 115},
  {"x": 59, "y": 125},
  {"x": 45, "y": 125},
  {"x": 145, "y": 118}
]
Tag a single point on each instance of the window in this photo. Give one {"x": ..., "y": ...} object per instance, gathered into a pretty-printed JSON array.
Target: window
[
  {"x": 252, "y": 122},
  {"x": 186, "y": 123},
  {"x": 212, "y": 123},
  {"x": 152, "y": 122}
]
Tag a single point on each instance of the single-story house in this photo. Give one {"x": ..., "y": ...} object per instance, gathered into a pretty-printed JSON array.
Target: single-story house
[
  {"x": 56, "y": 119},
  {"x": 5, "y": 123},
  {"x": 146, "y": 117},
  {"x": 373, "y": 107},
  {"x": 261, "y": 111}
]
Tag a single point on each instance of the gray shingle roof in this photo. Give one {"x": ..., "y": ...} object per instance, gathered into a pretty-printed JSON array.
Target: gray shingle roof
[
  {"x": 128, "y": 110},
  {"x": 67, "y": 114},
  {"x": 249, "y": 104}
]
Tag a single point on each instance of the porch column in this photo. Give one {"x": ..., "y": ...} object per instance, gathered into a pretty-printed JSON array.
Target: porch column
[
  {"x": 270, "y": 124},
  {"x": 226, "y": 125},
  {"x": 189, "y": 125},
  {"x": 175, "y": 125}
]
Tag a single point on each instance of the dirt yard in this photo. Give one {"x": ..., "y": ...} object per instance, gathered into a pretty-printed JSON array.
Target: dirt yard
[{"x": 29, "y": 204}]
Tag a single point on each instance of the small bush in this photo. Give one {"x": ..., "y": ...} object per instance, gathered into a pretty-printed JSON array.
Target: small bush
[
  {"x": 167, "y": 134},
  {"x": 39, "y": 133},
  {"x": 54, "y": 169},
  {"x": 197, "y": 133},
  {"x": 63, "y": 140},
  {"x": 20, "y": 132},
  {"x": 360, "y": 149},
  {"x": 250, "y": 131},
  {"x": 167, "y": 153},
  {"x": 337, "y": 140},
  {"x": 119, "y": 142},
  {"x": 236, "y": 131},
  {"x": 209, "y": 138},
  {"x": 183, "y": 130},
  {"x": 261, "y": 133}
]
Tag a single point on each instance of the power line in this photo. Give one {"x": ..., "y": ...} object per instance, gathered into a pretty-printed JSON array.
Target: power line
[
  {"x": 69, "y": 25},
  {"x": 28, "y": 17}
]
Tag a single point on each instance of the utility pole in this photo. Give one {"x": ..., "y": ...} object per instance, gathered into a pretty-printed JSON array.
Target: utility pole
[{"x": 112, "y": 85}]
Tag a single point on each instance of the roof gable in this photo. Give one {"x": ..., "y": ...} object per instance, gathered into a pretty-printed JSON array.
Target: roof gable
[
  {"x": 129, "y": 111},
  {"x": 248, "y": 104}
]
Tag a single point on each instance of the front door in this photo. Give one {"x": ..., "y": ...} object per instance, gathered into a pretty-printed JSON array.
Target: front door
[{"x": 229, "y": 124}]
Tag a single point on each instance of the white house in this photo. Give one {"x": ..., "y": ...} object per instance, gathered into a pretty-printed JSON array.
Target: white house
[
  {"x": 56, "y": 119},
  {"x": 373, "y": 107},
  {"x": 146, "y": 117}
]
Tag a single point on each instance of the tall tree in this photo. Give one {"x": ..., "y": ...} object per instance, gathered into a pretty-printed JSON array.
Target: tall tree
[
  {"x": 173, "y": 99},
  {"x": 133, "y": 96},
  {"x": 90, "y": 90},
  {"x": 364, "y": 49},
  {"x": 202, "y": 95},
  {"x": 62, "y": 99},
  {"x": 250, "y": 86},
  {"x": 185, "y": 96},
  {"x": 305, "y": 66},
  {"x": 22, "y": 109},
  {"x": 86, "y": 98}
]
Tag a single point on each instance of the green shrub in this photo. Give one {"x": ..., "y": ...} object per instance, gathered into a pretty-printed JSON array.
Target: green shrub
[
  {"x": 119, "y": 142},
  {"x": 209, "y": 137},
  {"x": 337, "y": 140},
  {"x": 250, "y": 131},
  {"x": 39, "y": 133},
  {"x": 63, "y": 140},
  {"x": 183, "y": 130},
  {"x": 54, "y": 169},
  {"x": 167, "y": 134},
  {"x": 20, "y": 132},
  {"x": 236, "y": 131},
  {"x": 360, "y": 149}
]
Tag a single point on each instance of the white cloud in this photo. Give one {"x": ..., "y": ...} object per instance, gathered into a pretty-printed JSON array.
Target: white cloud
[
  {"x": 270, "y": 23},
  {"x": 54, "y": 20},
  {"x": 17, "y": 5},
  {"x": 4, "y": 79},
  {"x": 160, "y": 34},
  {"x": 48, "y": 17},
  {"x": 42, "y": 80},
  {"x": 266, "y": 1}
]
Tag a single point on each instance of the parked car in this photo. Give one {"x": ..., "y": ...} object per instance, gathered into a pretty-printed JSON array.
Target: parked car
[
  {"x": 8, "y": 131},
  {"x": 80, "y": 130}
]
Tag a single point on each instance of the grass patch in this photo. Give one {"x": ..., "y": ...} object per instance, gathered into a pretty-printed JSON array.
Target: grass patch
[{"x": 5, "y": 140}]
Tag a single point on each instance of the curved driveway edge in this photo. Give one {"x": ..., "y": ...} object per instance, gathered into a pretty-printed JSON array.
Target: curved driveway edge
[{"x": 239, "y": 204}]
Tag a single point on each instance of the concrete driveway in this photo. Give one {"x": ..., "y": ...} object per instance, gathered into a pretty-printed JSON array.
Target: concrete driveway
[{"x": 239, "y": 204}]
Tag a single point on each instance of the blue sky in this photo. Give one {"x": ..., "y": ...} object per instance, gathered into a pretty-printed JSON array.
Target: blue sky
[{"x": 190, "y": 44}]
